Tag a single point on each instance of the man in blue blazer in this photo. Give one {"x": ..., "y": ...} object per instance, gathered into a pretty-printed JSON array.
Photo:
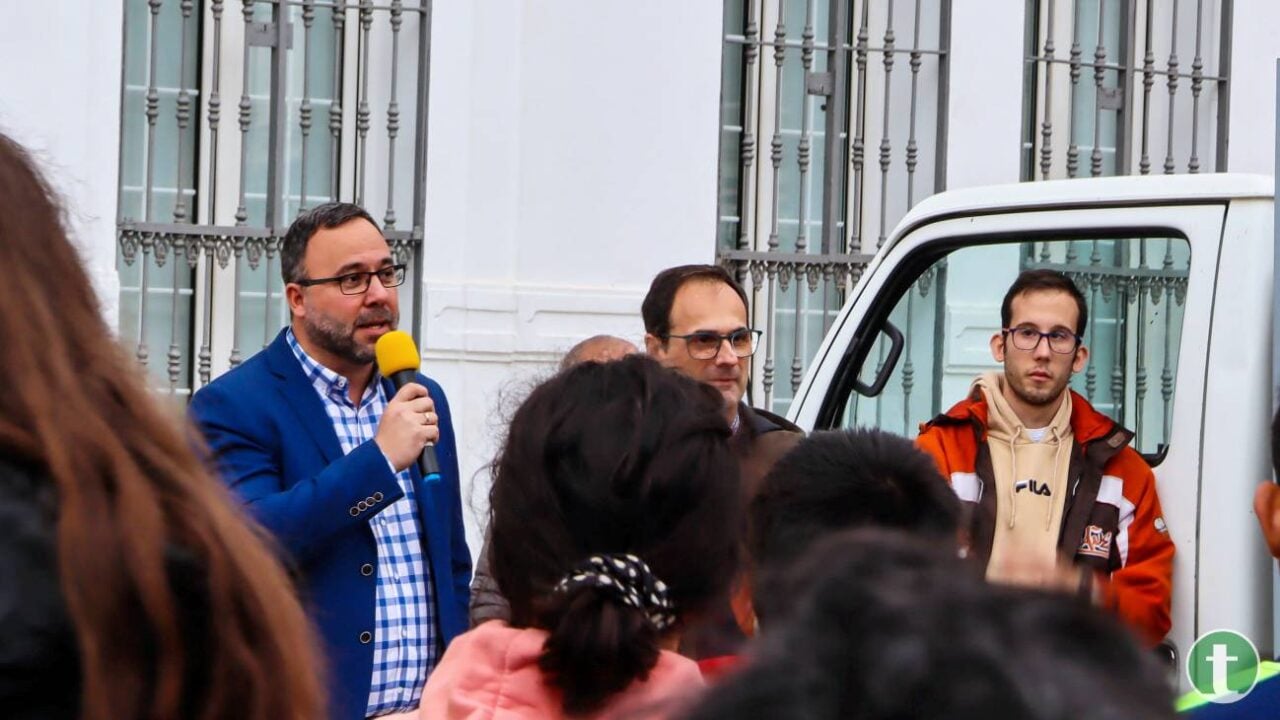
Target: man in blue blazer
[{"x": 323, "y": 451}]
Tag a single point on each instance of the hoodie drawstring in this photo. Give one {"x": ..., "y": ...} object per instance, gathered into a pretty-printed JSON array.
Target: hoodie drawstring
[
  {"x": 1048, "y": 513},
  {"x": 1013, "y": 482}
]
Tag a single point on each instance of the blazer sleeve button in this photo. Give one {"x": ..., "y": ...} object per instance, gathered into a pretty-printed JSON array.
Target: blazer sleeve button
[
  {"x": 377, "y": 496},
  {"x": 354, "y": 511}
]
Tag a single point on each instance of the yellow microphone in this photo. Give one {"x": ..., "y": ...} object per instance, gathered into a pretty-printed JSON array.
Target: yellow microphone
[{"x": 398, "y": 361}]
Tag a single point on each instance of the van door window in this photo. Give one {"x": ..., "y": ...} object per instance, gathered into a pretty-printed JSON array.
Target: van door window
[{"x": 924, "y": 355}]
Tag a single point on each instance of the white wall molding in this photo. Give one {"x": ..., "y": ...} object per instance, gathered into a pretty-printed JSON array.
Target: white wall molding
[{"x": 524, "y": 323}]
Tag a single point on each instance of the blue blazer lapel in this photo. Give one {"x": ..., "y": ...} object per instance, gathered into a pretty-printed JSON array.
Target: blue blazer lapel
[{"x": 300, "y": 396}]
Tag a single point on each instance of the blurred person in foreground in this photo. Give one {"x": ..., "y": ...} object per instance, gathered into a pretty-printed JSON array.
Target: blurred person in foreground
[
  {"x": 840, "y": 480},
  {"x": 132, "y": 586},
  {"x": 615, "y": 517},
  {"x": 887, "y": 626},
  {"x": 487, "y": 602}
]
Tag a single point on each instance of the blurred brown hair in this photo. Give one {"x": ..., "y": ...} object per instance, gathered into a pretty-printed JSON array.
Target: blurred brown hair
[{"x": 131, "y": 494}]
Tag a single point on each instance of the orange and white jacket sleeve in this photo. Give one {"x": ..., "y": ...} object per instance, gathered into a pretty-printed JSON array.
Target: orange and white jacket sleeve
[
  {"x": 930, "y": 441},
  {"x": 1141, "y": 590}
]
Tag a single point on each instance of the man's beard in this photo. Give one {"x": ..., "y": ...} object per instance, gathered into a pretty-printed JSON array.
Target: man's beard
[
  {"x": 340, "y": 340},
  {"x": 1035, "y": 397}
]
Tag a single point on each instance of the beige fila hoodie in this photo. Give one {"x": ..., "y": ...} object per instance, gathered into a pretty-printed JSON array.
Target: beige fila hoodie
[{"x": 1030, "y": 481}]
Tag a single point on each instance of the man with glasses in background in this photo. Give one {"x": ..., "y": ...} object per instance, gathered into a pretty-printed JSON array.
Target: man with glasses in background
[
  {"x": 1056, "y": 496},
  {"x": 695, "y": 321},
  {"x": 323, "y": 450}
]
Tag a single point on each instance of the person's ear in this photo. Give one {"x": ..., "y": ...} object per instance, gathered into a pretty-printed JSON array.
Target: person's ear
[
  {"x": 1266, "y": 503},
  {"x": 653, "y": 345},
  {"x": 997, "y": 347},
  {"x": 1081, "y": 359},
  {"x": 293, "y": 296}
]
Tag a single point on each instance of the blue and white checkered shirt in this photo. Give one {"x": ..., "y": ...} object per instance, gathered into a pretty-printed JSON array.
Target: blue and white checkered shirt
[{"x": 404, "y": 638}]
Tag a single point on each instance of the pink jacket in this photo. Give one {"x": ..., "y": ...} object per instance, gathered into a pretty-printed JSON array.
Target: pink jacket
[{"x": 491, "y": 673}]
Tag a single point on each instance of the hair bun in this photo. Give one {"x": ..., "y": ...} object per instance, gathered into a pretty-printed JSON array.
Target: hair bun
[{"x": 627, "y": 579}]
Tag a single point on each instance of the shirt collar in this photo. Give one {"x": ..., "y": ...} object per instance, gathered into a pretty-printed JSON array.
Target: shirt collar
[{"x": 327, "y": 382}]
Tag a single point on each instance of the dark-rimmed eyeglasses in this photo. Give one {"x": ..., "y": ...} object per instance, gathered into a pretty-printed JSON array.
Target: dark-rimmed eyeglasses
[
  {"x": 704, "y": 344},
  {"x": 1025, "y": 337},
  {"x": 357, "y": 283}
]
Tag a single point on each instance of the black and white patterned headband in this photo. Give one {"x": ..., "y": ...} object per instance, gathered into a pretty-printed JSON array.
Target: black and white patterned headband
[{"x": 629, "y": 580}]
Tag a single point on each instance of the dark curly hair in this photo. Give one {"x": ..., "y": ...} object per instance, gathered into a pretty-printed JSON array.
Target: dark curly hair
[
  {"x": 838, "y": 480},
  {"x": 620, "y": 457}
]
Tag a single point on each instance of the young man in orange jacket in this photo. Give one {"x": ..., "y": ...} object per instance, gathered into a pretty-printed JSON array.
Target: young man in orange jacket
[{"x": 1056, "y": 495}]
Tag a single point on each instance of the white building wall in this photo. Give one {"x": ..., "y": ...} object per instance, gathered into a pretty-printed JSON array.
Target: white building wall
[
  {"x": 1255, "y": 46},
  {"x": 984, "y": 145},
  {"x": 984, "y": 106},
  {"x": 572, "y": 155},
  {"x": 60, "y": 70}
]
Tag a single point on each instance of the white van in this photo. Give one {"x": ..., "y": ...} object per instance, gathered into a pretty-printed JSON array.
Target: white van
[{"x": 1178, "y": 274}]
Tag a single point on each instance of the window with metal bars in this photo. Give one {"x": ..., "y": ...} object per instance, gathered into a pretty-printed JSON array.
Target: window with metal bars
[
  {"x": 1125, "y": 87},
  {"x": 236, "y": 115},
  {"x": 1109, "y": 91},
  {"x": 832, "y": 127}
]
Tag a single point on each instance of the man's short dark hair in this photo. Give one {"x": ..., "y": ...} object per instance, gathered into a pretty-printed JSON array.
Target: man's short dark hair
[
  {"x": 1044, "y": 281},
  {"x": 656, "y": 308},
  {"x": 294, "y": 245},
  {"x": 842, "y": 479}
]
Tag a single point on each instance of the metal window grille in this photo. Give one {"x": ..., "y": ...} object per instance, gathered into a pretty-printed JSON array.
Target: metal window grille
[
  {"x": 1135, "y": 289},
  {"x": 852, "y": 98},
  {"x": 323, "y": 90},
  {"x": 1121, "y": 100}
]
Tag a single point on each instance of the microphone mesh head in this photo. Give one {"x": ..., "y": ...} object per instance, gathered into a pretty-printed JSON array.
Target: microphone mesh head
[{"x": 396, "y": 352}]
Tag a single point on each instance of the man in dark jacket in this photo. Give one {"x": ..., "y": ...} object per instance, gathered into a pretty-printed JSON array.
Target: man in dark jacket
[
  {"x": 487, "y": 601},
  {"x": 695, "y": 321}
]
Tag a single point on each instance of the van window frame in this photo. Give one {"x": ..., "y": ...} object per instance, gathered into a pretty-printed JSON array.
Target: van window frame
[{"x": 914, "y": 264}]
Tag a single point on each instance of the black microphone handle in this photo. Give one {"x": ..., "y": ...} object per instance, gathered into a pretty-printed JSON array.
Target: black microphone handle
[
  {"x": 402, "y": 378},
  {"x": 428, "y": 465}
]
